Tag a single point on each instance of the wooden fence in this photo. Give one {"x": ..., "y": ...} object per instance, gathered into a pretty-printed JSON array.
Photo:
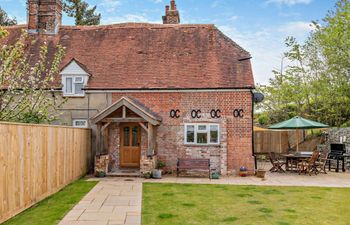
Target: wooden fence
[
  {"x": 276, "y": 141},
  {"x": 37, "y": 161}
]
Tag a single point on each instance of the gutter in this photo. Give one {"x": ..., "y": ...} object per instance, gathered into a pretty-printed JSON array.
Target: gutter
[
  {"x": 36, "y": 89},
  {"x": 92, "y": 90}
]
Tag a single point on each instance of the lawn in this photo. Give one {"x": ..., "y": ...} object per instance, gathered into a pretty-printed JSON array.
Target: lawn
[
  {"x": 52, "y": 209},
  {"x": 227, "y": 204}
]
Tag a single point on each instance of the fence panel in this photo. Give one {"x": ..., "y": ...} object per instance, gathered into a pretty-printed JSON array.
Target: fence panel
[
  {"x": 276, "y": 141},
  {"x": 37, "y": 161}
]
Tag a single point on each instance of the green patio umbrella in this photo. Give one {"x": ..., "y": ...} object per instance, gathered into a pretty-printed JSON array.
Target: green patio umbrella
[{"x": 298, "y": 123}]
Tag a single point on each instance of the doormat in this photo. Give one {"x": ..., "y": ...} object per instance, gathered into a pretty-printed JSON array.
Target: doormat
[
  {"x": 128, "y": 171},
  {"x": 128, "y": 180}
]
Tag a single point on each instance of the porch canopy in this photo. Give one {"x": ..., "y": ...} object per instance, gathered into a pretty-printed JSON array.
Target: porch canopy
[{"x": 126, "y": 110}]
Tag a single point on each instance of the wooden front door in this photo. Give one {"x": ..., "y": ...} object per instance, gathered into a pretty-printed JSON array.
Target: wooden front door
[{"x": 130, "y": 145}]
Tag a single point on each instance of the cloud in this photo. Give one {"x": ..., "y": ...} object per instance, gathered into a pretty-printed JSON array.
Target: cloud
[
  {"x": 215, "y": 4},
  {"x": 296, "y": 28},
  {"x": 110, "y": 5},
  {"x": 157, "y": 1},
  {"x": 288, "y": 2},
  {"x": 265, "y": 47},
  {"x": 266, "y": 44},
  {"x": 233, "y": 18},
  {"x": 139, "y": 18}
]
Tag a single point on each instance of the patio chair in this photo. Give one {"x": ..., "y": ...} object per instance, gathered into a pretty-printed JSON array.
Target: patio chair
[
  {"x": 322, "y": 161},
  {"x": 276, "y": 163},
  {"x": 292, "y": 163},
  {"x": 309, "y": 166}
]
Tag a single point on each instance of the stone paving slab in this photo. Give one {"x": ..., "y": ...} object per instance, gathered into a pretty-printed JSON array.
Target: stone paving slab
[{"x": 110, "y": 202}]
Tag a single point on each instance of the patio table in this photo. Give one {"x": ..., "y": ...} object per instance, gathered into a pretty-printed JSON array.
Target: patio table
[{"x": 295, "y": 157}]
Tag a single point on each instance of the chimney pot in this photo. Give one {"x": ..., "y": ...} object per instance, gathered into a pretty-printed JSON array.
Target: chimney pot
[
  {"x": 172, "y": 3},
  {"x": 172, "y": 15}
]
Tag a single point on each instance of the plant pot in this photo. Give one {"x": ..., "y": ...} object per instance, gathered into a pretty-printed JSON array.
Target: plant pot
[
  {"x": 157, "y": 174},
  {"x": 147, "y": 175},
  {"x": 243, "y": 173},
  {"x": 215, "y": 176},
  {"x": 101, "y": 174},
  {"x": 261, "y": 173}
]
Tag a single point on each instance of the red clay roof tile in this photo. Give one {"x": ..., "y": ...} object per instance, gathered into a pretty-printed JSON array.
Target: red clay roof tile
[{"x": 134, "y": 55}]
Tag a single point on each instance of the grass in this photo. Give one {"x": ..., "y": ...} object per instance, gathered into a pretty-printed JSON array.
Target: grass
[
  {"x": 52, "y": 209},
  {"x": 225, "y": 204}
]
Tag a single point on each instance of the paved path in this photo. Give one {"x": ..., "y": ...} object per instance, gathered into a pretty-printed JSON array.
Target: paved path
[
  {"x": 110, "y": 202},
  {"x": 117, "y": 201}
]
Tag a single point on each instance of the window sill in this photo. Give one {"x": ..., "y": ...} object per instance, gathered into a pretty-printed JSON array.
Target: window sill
[
  {"x": 73, "y": 96},
  {"x": 202, "y": 145}
]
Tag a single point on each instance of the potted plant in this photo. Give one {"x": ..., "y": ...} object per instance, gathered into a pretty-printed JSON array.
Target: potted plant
[
  {"x": 157, "y": 173},
  {"x": 147, "y": 175},
  {"x": 100, "y": 173},
  {"x": 243, "y": 171},
  {"x": 215, "y": 175},
  {"x": 261, "y": 170},
  {"x": 260, "y": 173}
]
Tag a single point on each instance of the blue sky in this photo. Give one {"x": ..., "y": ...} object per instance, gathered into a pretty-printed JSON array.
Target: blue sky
[{"x": 260, "y": 26}]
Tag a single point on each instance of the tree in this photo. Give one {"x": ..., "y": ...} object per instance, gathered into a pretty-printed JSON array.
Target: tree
[
  {"x": 317, "y": 83},
  {"x": 79, "y": 10},
  {"x": 25, "y": 83},
  {"x": 5, "y": 20}
]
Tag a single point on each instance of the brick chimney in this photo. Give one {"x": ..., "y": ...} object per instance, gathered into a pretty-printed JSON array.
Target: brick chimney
[
  {"x": 44, "y": 16},
  {"x": 172, "y": 15}
]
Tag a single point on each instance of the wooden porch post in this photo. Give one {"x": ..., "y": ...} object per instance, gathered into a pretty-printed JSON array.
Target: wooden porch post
[
  {"x": 98, "y": 138},
  {"x": 151, "y": 140},
  {"x": 104, "y": 138}
]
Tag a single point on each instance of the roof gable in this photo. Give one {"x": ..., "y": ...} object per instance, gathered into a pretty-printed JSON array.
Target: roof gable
[
  {"x": 74, "y": 67},
  {"x": 134, "y": 106}
]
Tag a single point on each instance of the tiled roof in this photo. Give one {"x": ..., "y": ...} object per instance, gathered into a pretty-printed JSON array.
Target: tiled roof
[{"x": 135, "y": 56}]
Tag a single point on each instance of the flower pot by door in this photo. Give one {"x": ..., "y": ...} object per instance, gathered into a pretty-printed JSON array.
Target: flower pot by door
[
  {"x": 157, "y": 174},
  {"x": 261, "y": 173}
]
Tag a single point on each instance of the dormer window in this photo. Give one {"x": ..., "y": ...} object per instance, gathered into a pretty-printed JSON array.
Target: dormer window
[
  {"x": 73, "y": 85},
  {"x": 74, "y": 79}
]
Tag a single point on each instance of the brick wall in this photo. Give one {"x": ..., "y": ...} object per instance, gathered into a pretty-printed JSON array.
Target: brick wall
[{"x": 235, "y": 149}]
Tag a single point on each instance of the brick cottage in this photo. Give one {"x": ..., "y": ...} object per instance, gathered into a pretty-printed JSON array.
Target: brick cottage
[{"x": 152, "y": 90}]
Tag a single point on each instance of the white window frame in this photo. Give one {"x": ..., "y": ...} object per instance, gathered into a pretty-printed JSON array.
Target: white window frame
[
  {"x": 196, "y": 131},
  {"x": 74, "y": 82},
  {"x": 80, "y": 120}
]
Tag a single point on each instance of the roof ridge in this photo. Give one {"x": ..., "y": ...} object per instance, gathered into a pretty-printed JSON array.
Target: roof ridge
[
  {"x": 135, "y": 25},
  {"x": 14, "y": 26}
]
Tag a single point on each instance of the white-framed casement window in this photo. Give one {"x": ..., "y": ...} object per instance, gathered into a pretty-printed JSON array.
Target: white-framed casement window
[
  {"x": 81, "y": 123},
  {"x": 73, "y": 85},
  {"x": 202, "y": 134}
]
